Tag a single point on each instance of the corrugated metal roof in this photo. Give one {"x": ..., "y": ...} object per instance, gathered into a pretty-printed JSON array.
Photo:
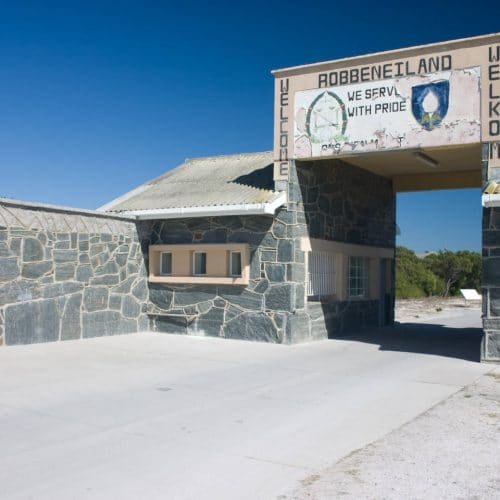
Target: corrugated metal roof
[{"x": 202, "y": 182}]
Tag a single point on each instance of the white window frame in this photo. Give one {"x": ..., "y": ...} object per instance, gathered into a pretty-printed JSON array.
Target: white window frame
[
  {"x": 194, "y": 264},
  {"x": 231, "y": 271},
  {"x": 162, "y": 272},
  {"x": 357, "y": 293}
]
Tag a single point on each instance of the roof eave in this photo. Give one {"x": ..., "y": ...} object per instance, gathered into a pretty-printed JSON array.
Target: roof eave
[
  {"x": 268, "y": 208},
  {"x": 491, "y": 200}
]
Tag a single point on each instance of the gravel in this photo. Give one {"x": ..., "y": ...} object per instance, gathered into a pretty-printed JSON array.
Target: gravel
[{"x": 450, "y": 451}]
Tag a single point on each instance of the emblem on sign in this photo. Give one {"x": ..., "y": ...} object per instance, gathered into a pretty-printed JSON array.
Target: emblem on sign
[
  {"x": 429, "y": 103},
  {"x": 326, "y": 118}
]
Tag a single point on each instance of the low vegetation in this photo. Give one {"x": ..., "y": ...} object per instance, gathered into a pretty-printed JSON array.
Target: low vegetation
[{"x": 442, "y": 273}]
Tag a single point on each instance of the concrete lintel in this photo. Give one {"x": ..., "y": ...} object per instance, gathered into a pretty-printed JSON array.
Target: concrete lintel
[{"x": 431, "y": 181}]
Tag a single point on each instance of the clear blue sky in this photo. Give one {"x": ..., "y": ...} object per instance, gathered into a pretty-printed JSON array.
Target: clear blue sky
[{"x": 98, "y": 97}]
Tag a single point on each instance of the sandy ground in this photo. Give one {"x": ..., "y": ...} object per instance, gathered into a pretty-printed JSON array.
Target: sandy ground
[
  {"x": 450, "y": 451},
  {"x": 432, "y": 307}
]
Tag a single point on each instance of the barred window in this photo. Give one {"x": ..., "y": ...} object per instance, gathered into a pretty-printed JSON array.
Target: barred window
[
  {"x": 321, "y": 275},
  {"x": 358, "y": 277}
]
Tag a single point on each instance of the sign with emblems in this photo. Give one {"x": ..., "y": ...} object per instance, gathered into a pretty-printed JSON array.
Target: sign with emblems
[{"x": 409, "y": 112}]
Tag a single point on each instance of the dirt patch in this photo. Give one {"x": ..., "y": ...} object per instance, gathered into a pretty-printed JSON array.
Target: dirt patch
[{"x": 430, "y": 307}]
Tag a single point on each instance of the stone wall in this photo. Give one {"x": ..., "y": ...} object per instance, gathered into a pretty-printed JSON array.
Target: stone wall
[
  {"x": 345, "y": 203},
  {"x": 68, "y": 274},
  {"x": 491, "y": 284},
  {"x": 259, "y": 311},
  {"x": 490, "y": 349}
]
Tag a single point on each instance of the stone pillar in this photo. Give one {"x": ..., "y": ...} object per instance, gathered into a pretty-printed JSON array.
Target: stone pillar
[{"x": 490, "y": 349}]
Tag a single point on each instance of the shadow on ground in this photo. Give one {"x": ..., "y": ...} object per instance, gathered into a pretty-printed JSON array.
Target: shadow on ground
[{"x": 425, "y": 338}]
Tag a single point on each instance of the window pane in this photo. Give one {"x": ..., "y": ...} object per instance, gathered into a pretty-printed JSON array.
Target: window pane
[
  {"x": 235, "y": 265},
  {"x": 166, "y": 263},
  {"x": 357, "y": 276},
  {"x": 200, "y": 263}
]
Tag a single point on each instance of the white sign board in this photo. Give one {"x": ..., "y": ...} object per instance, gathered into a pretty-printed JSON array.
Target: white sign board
[
  {"x": 410, "y": 112},
  {"x": 470, "y": 294}
]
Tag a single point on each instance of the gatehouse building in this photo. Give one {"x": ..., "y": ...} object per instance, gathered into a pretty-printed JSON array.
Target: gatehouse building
[{"x": 289, "y": 245}]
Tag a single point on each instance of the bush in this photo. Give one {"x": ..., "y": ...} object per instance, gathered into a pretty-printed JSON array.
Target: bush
[{"x": 442, "y": 273}]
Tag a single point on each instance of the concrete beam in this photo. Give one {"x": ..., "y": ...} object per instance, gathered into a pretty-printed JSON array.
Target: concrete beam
[{"x": 434, "y": 181}]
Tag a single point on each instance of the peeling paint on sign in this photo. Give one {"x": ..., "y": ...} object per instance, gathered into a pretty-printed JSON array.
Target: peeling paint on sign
[{"x": 408, "y": 112}]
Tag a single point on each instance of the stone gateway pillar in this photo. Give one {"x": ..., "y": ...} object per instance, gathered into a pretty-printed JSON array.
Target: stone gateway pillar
[{"x": 490, "y": 350}]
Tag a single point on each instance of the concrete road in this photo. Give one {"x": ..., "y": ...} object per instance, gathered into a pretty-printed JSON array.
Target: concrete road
[{"x": 163, "y": 417}]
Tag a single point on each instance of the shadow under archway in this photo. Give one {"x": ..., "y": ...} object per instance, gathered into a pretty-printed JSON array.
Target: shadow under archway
[{"x": 424, "y": 338}]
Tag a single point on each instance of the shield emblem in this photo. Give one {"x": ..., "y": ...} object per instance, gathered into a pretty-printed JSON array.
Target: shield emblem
[{"x": 429, "y": 103}]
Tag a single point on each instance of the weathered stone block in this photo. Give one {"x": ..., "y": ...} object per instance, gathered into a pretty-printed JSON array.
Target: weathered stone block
[
  {"x": 64, "y": 272},
  {"x": 62, "y": 245},
  {"x": 275, "y": 272},
  {"x": 140, "y": 290},
  {"x": 170, "y": 324},
  {"x": 268, "y": 255},
  {"x": 297, "y": 328},
  {"x": 296, "y": 272},
  {"x": 132, "y": 268},
  {"x": 241, "y": 297},
  {"x": 251, "y": 326},
  {"x": 31, "y": 322},
  {"x": 203, "y": 307},
  {"x": 107, "y": 279},
  {"x": 143, "y": 323},
  {"x": 258, "y": 224},
  {"x": 5, "y": 250},
  {"x": 15, "y": 246},
  {"x": 70, "y": 320},
  {"x": 69, "y": 287},
  {"x": 95, "y": 299},
  {"x": 32, "y": 250},
  {"x": 285, "y": 251},
  {"x": 125, "y": 286},
  {"x": 279, "y": 230},
  {"x": 65, "y": 255},
  {"x": 261, "y": 286},
  {"x": 34, "y": 270},
  {"x": 492, "y": 345},
  {"x": 491, "y": 271},
  {"x": 115, "y": 302},
  {"x": 96, "y": 249},
  {"x": 279, "y": 298},
  {"x": 208, "y": 324},
  {"x": 109, "y": 267},
  {"x": 160, "y": 297},
  {"x": 173, "y": 232},
  {"x": 8, "y": 268},
  {"x": 84, "y": 258},
  {"x": 121, "y": 259},
  {"x": 83, "y": 246},
  {"x": 103, "y": 323},
  {"x": 84, "y": 272},
  {"x": 193, "y": 295},
  {"x": 130, "y": 307},
  {"x": 215, "y": 236}
]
